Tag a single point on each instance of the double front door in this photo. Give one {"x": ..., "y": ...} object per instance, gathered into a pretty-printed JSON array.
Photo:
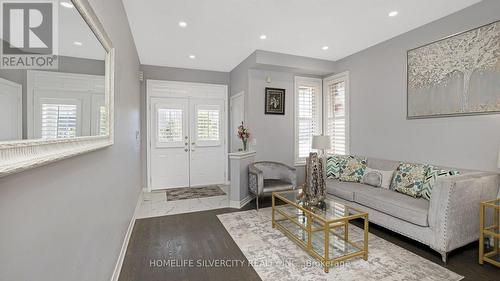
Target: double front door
[{"x": 187, "y": 145}]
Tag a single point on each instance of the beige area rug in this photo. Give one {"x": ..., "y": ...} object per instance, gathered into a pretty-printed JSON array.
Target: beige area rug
[
  {"x": 194, "y": 192},
  {"x": 276, "y": 257}
]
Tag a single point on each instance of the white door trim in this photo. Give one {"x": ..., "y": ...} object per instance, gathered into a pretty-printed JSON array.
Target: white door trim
[
  {"x": 171, "y": 89},
  {"x": 231, "y": 101},
  {"x": 17, "y": 91}
]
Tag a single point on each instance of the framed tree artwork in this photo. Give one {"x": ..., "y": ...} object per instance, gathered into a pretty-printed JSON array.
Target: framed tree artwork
[
  {"x": 275, "y": 101},
  {"x": 457, "y": 75}
]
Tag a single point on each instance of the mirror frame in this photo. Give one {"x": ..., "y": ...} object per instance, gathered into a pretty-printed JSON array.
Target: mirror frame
[{"x": 20, "y": 155}]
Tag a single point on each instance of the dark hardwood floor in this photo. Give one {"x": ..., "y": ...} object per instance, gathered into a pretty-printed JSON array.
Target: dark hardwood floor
[{"x": 200, "y": 238}]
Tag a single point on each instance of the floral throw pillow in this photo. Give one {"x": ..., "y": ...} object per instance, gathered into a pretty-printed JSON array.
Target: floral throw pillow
[
  {"x": 409, "y": 179},
  {"x": 333, "y": 166},
  {"x": 430, "y": 179},
  {"x": 352, "y": 169}
]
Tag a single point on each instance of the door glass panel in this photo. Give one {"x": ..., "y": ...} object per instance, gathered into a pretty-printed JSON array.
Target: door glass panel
[
  {"x": 169, "y": 125},
  {"x": 59, "y": 121},
  {"x": 208, "y": 124}
]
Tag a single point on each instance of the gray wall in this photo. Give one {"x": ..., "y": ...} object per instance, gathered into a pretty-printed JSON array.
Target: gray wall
[
  {"x": 378, "y": 103},
  {"x": 274, "y": 134},
  {"x": 172, "y": 74},
  {"x": 67, "y": 220}
]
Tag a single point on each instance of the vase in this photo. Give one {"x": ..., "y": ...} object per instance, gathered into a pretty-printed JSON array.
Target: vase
[
  {"x": 245, "y": 144},
  {"x": 314, "y": 187}
]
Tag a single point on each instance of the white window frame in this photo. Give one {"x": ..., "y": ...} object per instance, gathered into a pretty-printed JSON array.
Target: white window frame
[
  {"x": 311, "y": 82},
  {"x": 344, "y": 76}
]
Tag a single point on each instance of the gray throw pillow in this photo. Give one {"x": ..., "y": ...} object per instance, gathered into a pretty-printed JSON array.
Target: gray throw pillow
[{"x": 377, "y": 178}]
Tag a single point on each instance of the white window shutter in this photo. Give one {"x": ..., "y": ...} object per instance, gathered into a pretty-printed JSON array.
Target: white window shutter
[
  {"x": 103, "y": 120},
  {"x": 336, "y": 115},
  {"x": 308, "y": 121},
  {"x": 208, "y": 124},
  {"x": 59, "y": 121},
  {"x": 169, "y": 127}
]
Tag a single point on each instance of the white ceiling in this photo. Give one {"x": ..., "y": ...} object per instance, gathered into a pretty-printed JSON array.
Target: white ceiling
[{"x": 222, "y": 33}]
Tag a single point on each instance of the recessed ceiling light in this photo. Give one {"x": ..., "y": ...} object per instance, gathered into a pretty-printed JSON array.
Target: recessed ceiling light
[
  {"x": 67, "y": 5},
  {"x": 263, "y": 37},
  {"x": 77, "y": 43},
  {"x": 183, "y": 24},
  {"x": 393, "y": 13},
  {"x": 324, "y": 48},
  {"x": 192, "y": 57}
]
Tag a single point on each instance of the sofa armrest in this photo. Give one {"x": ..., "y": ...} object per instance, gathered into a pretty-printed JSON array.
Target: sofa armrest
[
  {"x": 255, "y": 180},
  {"x": 454, "y": 208}
]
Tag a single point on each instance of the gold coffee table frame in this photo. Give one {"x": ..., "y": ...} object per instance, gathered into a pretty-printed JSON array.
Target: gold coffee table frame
[
  {"x": 490, "y": 230},
  {"x": 326, "y": 226}
]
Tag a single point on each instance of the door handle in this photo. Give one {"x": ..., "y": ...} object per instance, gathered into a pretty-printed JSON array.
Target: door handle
[
  {"x": 192, "y": 143},
  {"x": 186, "y": 150}
]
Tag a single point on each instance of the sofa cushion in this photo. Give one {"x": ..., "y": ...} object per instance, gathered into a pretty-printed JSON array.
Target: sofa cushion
[
  {"x": 395, "y": 204},
  {"x": 344, "y": 190},
  {"x": 382, "y": 164},
  {"x": 409, "y": 179},
  {"x": 352, "y": 169}
]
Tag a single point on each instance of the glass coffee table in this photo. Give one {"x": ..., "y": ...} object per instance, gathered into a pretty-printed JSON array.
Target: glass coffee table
[{"x": 323, "y": 233}]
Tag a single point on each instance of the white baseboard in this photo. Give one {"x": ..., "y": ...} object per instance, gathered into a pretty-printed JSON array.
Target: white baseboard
[
  {"x": 240, "y": 204},
  {"x": 123, "y": 251}
]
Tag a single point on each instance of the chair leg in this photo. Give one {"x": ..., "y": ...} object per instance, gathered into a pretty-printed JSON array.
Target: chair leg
[{"x": 257, "y": 200}]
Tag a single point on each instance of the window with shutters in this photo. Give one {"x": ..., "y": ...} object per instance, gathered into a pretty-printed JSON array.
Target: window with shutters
[
  {"x": 337, "y": 112},
  {"x": 103, "y": 120},
  {"x": 308, "y": 115},
  {"x": 208, "y": 124},
  {"x": 59, "y": 121},
  {"x": 169, "y": 125}
]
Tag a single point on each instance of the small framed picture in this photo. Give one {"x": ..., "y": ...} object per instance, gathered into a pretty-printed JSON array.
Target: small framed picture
[{"x": 275, "y": 101}]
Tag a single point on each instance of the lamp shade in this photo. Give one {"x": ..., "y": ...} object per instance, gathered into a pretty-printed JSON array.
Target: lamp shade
[{"x": 321, "y": 142}]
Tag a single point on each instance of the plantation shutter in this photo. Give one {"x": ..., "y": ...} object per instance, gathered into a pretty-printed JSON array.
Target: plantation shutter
[
  {"x": 59, "y": 121},
  {"x": 103, "y": 121},
  {"x": 208, "y": 124},
  {"x": 169, "y": 127},
  {"x": 308, "y": 115},
  {"x": 336, "y": 114}
]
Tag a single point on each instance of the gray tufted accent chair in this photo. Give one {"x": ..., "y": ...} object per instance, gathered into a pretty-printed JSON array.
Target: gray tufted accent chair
[{"x": 266, "y": 177}]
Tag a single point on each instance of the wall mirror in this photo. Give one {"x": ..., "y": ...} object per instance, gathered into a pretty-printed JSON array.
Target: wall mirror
[{"x": 51, "y": 114}]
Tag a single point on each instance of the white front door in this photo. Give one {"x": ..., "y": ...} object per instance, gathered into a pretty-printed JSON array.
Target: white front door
[
  {"x": 207, "y": 141},
  {"x": 187, "y": 142},
  {"x": 169, "y": 142}
]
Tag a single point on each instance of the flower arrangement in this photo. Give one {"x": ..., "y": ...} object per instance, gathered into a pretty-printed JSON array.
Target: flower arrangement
[{"x": 243, "y": 134}]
